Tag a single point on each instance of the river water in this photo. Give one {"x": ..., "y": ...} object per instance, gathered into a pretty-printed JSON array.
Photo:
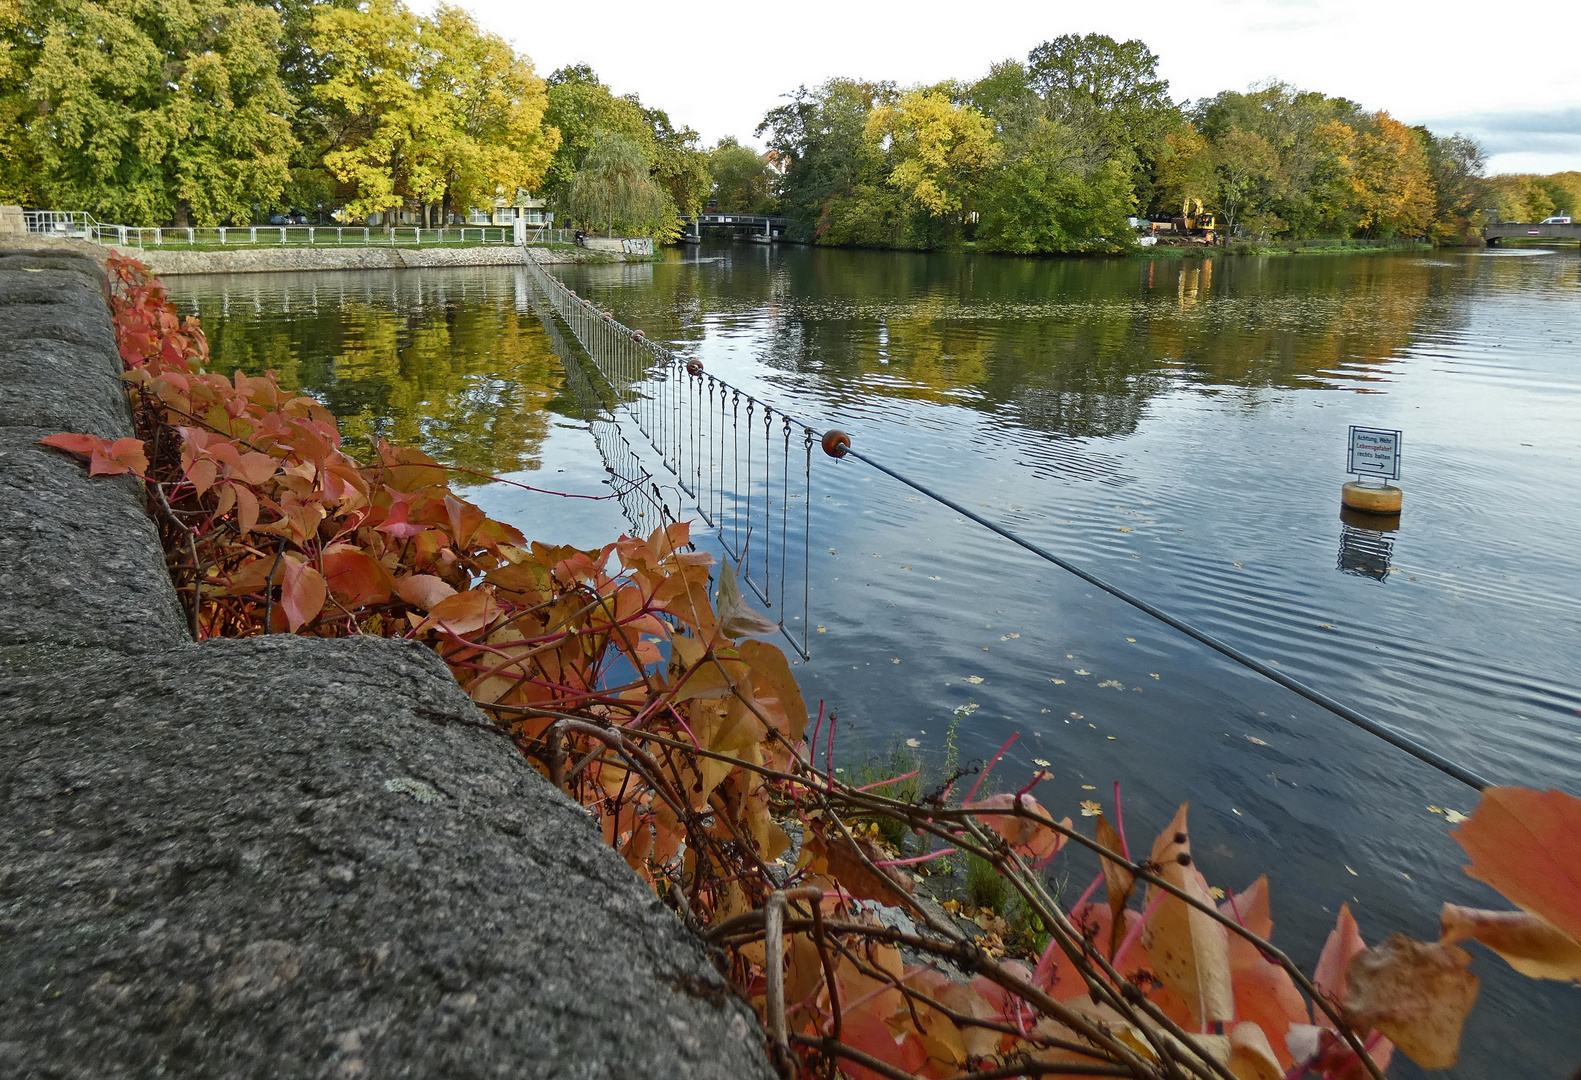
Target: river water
[{"x": 1175, "y": 426}]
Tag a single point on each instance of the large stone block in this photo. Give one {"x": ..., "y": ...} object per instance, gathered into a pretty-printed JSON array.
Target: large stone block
[{"x": 284, "y": 857}]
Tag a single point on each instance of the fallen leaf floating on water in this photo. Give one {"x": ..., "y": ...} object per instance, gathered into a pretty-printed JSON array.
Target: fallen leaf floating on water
[
  {"x": 1111, "y": 684},
  {"x": 1079, "y": 671},
  {"x": 1090, "y": 808},
  {"x": 974, "y": 679},
  {"x": 1040, "y": 762},
  {"x": 1255, "y": 739},
  {"x": 1057, "y": 682},
  {"x": 1417, "y": 994},
  {"x": 913, "y": 743}
]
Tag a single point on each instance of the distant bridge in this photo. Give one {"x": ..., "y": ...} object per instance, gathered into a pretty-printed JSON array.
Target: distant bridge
[
  {"x": 1512, "y": 229},
  {"x": 764, "y": 225}
]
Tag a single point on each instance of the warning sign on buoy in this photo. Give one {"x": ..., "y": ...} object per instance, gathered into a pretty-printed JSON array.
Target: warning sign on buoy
[{"x": 1374, "y": 454}]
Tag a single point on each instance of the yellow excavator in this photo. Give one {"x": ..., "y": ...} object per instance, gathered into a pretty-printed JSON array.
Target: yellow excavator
[{"x": 1196, "y": 223}]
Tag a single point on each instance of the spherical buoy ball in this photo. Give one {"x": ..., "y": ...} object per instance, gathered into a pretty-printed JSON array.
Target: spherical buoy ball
[
  {"x": 637, "y": 336},
  {"x": 836, "y": 443},
  {"x": 1372, "y": 500},
  {"x": 694, "y": 367}
]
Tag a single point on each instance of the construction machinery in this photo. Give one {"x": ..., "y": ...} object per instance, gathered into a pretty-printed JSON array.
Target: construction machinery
[{"x": 1195, "y": 223}]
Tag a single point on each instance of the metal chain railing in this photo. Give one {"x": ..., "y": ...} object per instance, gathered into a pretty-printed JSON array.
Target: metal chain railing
[{"x": 741, "y": 464}]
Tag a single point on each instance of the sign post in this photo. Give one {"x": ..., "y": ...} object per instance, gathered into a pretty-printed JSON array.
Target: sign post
[{"x": 1373, "y": 452}]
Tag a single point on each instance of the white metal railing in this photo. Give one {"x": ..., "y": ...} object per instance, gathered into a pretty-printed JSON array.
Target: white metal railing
[{"x": 80, "y": 225}]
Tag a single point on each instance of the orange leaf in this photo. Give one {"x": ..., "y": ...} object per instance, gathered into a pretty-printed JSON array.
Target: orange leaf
[
  {"x": 73, "y": 443},
  {"x": 1189, "y": 948},
  {"x": 423, "y": 590},
  {"x": 1343, "y": 945},
  {"x": 1265, "y": 994},
  {"x": 846, "y": 866},
  {"x": 355, "y": 577},
  {"x": 1527, "y": 845},
  {"x": 1415, "y": 993},
  {"x": 1529, "y": 943},
  {"x": 463, "y": 613},
  {"x": 1034, "y": 842},
  {"x": 255, "y": 468},
  {"x": 121, "y": 456},
  {"x": 302, "y": 593}
]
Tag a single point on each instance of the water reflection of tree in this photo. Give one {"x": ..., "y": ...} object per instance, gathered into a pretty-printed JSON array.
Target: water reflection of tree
[
  {"x": 446, "y": 364},
  {"x": 1069, "y": 346}
]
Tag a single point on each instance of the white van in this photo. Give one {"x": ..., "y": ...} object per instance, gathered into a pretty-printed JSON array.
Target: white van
[{"x": 1558, "y": 219}]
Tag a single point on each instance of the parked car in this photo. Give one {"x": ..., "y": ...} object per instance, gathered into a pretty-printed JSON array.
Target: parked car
[{"x": 1558, "y": 219}]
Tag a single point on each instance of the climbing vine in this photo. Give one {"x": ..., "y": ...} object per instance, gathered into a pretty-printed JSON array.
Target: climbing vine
[{"x": 627, "y": 685}]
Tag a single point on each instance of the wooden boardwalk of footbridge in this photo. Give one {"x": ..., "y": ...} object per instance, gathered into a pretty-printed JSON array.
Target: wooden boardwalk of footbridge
[{"x": 1521, "y": 230}]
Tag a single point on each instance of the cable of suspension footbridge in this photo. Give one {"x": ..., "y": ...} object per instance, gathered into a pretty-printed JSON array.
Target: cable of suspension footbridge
[{"x": 837, "y": 444}]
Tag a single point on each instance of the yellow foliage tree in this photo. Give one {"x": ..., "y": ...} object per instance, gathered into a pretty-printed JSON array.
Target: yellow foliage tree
[
  {"x": 1393, "y": 188},
  {"x": 495, "y": 139},
  {"x": 941, "y": 151},
  {"x": 431, "y": 111}
]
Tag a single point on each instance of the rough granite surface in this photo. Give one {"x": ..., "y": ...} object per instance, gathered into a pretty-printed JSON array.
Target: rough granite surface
[{"x": 280, "y": 857}]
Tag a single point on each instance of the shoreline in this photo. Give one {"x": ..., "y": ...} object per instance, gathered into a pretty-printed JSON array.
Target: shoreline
[{"x": 173, "y": 262}]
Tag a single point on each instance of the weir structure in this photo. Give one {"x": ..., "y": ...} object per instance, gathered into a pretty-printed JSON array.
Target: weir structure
[{"x": 676, "y": 405}]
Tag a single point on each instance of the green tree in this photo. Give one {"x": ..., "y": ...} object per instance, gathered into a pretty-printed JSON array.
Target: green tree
[
  {"x": 1109, "y": 96},
  {"x": 1247, "y": 175},
  {"x": 585, "y": 111},
  {"x": 146, "y": 113},
  {"x": 1042, "y": 201},
  {"x": 819, "y": 138},
  {"x": 741, "y": 177},
  {"x": 614, "y": 186}
]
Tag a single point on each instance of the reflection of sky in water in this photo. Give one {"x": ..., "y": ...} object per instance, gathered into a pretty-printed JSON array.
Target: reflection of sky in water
[{"x": 1175, "y": 428}]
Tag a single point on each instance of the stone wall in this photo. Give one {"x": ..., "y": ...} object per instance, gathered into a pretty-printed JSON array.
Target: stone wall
[{"x": 280, "y": 856}]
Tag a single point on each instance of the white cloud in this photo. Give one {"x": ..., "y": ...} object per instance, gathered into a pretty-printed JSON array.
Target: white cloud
[{"x": 719, "y": 69}]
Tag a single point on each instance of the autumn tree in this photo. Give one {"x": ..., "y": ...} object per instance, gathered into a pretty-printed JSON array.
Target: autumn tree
[
  {"x": 495, "y": 140},
  {"x": 431, "y": 110},
  {"x": 1394, "y": 192},
  {"x": 940, "y": 151},
  {"x": 146, "y": 113},
  {"x": 382, "y": 128}
]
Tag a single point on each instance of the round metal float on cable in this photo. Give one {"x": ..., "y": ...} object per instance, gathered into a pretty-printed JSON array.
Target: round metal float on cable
[
  {"x": 1372, "y": 500},
  {"x": 836, "y": 443},
  {"x": 637, "y": 336},
  {"x": 694, "y": 367}
]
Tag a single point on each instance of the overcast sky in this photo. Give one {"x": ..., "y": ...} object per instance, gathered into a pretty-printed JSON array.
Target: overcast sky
[{"x": 1507, "y": 73}]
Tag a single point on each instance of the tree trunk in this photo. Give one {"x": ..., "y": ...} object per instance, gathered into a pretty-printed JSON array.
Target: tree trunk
[{"x": 183, "y": 214}]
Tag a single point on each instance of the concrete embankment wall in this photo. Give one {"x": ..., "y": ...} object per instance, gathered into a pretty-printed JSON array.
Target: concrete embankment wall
[
  {"x": 168, "y": 261},
  {"x": 277, "y": 856}
]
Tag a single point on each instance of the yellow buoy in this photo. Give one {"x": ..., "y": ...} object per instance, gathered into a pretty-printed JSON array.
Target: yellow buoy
[{"x": 1372, "y": 500}]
